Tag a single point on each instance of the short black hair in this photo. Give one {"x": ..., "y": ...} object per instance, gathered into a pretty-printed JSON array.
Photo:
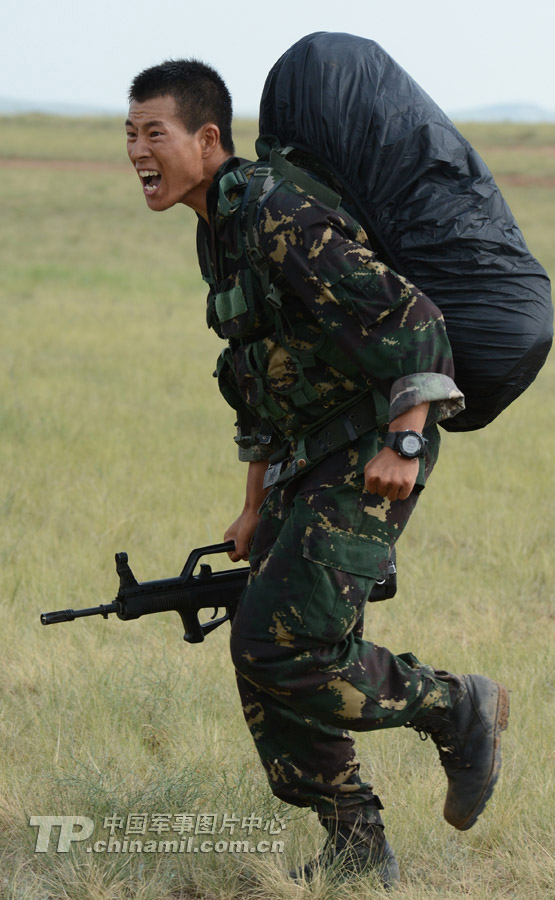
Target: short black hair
[{"x": 200, "y": 93}]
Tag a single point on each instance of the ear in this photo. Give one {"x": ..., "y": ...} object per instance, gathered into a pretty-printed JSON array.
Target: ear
[{"x": 210, "y": 139}]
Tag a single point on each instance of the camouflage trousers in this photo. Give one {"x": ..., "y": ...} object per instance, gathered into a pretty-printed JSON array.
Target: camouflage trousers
[{"x": 305, "y": 675}]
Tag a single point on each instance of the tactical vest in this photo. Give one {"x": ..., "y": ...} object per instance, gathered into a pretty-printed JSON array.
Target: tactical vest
[{"x": 248, "y": 305}]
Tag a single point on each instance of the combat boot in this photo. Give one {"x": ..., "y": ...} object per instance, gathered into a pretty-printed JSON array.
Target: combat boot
[
  {"x": 353, "y": 847},
  {"x": 468, "y": 737}
]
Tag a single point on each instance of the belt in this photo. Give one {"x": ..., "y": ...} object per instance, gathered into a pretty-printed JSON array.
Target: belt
[{"x": 335, "y": 432}]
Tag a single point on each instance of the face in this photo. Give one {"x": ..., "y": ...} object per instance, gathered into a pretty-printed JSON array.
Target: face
[{"x": 169, "y": 160}]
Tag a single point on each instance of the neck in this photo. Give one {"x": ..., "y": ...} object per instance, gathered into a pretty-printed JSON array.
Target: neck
[{"x": 199, "y": 202}]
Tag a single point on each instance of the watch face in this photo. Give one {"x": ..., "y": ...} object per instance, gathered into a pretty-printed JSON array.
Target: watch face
[{"x": 410, "y": 444}]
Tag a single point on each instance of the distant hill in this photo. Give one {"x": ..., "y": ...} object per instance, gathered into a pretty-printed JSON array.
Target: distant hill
[
  {"x": 9, "y": 106},
  {"x": 506, "y": 112}
]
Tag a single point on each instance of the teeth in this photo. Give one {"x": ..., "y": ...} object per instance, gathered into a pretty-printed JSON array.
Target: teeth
[
  {"x": 149, "y": 188},
  {"x": 144, "y": 173}
]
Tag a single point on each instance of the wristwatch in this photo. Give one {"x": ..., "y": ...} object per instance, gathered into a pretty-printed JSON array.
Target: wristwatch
[{"x": 410, "y": 444}]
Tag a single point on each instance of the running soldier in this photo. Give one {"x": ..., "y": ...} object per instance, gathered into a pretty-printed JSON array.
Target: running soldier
[{"x": 339, "y": 371}]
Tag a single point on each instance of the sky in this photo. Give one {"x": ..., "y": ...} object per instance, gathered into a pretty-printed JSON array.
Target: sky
[{"x": 464, "y": 54}]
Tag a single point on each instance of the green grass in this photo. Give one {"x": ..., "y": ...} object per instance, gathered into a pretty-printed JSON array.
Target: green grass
[
  {"x": 512, "y": 136},
  {"x": 114, "y": 437}
]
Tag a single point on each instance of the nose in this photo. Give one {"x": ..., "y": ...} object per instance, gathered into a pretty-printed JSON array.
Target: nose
[{"x": 138, "y": 149}]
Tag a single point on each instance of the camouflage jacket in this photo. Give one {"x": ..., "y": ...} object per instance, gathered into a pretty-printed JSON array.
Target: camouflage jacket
[{"x": 335, "y": 322}]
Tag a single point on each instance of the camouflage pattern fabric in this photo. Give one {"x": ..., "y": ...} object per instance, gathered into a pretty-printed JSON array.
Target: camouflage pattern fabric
[
  {"x": 335, "y": 324},
  {"x": 341, "y": 323},
  {"x": 305, "y": 675}
]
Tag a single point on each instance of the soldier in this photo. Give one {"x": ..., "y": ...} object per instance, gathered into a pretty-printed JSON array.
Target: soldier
[{"x": 339, "y": 370}]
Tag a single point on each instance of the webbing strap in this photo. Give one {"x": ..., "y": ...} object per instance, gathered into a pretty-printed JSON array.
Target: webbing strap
[
  {"x": 305, "y": 182},
  {"x": 344, "y": 428},
  {"x": 233, "y": 181},
  {"x": 206, "y": 267},
  {"x": 250, "y": 204},
  {"x": 334, "y": 432}
]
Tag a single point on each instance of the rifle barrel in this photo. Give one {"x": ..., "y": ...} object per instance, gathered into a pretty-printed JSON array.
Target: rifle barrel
[{"x": 68, "y": 615}]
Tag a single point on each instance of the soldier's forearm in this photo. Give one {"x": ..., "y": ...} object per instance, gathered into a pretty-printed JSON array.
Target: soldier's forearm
[
  {"x": 241, "y": 531},
  {"x": 413, "y": 419},
  {"x": 255, "y": 492}
]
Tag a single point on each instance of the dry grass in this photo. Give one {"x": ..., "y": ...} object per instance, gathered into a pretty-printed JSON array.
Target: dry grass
[{"x": 113, "y": 438}]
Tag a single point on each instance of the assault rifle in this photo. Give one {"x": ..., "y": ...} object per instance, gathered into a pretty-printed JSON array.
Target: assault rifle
[{"x": 187, "y": 594}]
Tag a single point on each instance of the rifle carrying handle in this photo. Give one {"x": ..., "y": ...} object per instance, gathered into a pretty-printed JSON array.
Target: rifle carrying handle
[{"x": 199, "y": 552}]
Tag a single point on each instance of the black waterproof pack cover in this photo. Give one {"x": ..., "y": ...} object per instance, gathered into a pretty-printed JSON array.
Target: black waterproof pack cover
[{"x": 428, "y": 202}]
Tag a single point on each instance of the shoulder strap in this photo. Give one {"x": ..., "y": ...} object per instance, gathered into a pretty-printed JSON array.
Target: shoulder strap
[
  {"x": 203, "y": 253},
  {"x": 261, "y": 186},
  {"x": 298, "y": 176}
]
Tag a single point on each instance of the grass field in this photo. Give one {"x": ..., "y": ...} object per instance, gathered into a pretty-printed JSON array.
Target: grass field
[{"x": 114, "y": 437}]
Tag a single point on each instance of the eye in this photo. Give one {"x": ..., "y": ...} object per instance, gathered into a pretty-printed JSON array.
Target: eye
[{"x": 156, "y": 133}]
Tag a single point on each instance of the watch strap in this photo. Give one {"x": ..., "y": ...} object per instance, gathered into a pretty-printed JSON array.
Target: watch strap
[{"x": 393, "y": 439}]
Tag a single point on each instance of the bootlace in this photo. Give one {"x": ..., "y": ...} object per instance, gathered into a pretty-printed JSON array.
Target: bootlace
[{"x": 441, "y": 733}]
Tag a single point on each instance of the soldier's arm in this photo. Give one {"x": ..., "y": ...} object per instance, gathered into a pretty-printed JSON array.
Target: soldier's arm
[
  {"x": 242, "y": 529},
  {"x": 382, "y": 322}
]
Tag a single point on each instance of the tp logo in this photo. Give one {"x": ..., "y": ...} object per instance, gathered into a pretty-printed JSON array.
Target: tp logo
[{"x": 67, "y": 835}]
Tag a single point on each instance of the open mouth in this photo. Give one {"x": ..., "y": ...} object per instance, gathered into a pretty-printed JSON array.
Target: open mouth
[{"x": 150, "y": 179}]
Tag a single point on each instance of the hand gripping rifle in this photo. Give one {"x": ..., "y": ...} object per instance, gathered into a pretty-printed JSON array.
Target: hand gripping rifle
[{"x": 187, "y": 594}]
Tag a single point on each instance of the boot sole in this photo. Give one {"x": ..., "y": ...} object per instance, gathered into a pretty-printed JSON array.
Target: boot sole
[{"x": 501, "y": 722}]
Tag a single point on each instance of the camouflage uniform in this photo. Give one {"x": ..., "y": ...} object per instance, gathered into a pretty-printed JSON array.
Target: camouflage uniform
[{"x": 335, "y": 325}]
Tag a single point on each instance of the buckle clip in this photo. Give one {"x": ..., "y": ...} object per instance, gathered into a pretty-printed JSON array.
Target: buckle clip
[{"x": 271, "y": 476}]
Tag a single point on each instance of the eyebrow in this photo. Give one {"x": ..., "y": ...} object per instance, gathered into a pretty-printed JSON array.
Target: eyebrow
[{"x": 154, "y": 122}]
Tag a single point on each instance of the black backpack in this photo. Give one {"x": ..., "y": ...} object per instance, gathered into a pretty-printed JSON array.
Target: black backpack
[{"x": 428, "y": 202}]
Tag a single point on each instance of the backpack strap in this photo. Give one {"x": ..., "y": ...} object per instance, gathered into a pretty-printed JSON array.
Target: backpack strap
[
  {"x": 247, "y": 226},
  {"x": 254, "y": 198},
  {"x": 298, "y": 176},
  {"x": 230, "y": 188}
]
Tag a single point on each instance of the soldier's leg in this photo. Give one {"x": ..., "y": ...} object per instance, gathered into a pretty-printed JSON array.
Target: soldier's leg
[
  {"x": 292, "y": 626},
  {"x": 310, "y": 764},
  {"x": 293, "y": 635},
  {"x": 294, "y": 640},
  {"x": 307, "y": 763},
  {"x": 325, "y": 769}
]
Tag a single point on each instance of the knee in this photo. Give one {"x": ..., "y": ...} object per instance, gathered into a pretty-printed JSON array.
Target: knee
[{"x": 263, "y": 663}]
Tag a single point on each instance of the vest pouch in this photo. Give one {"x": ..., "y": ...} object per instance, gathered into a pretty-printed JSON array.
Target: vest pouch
[
  {"x": 284, "y": 378},
  {"x": 283, "y": 371},
  {"x": 232, "y": 311}
]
